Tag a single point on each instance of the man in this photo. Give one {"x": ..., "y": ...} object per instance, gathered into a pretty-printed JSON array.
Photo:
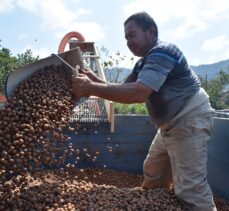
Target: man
[{"x": 177, "y": 105}]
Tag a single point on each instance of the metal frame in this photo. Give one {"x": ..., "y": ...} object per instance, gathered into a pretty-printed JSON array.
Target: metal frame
[{"x": 91, "y": 59}]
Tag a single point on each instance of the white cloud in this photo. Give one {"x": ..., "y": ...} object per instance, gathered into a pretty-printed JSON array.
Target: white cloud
[
  {"x": 166, "y": 9},
  {"x": 6, "y": 6},
  {"x": 213, "y": 10},
  {"x": 212, "y": 50},
  {"x": 53, "y": 13},
  {"x": 187, "y": 15},
  {"x": 91, "y": 31},
  {"x": 152, "y": 7},
  {"x": 41, "y": 52},
  {"x": 57, "y": 16},
  {"x": 59, "y": 19},
  {"x": 188, "y": 29},
  {"x": 216, "y": 44},
  {"x": 22, "y": 36},
  {"x": 162, "y": 10}
]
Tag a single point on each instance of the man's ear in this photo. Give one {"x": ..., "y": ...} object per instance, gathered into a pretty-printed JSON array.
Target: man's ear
[{"x": 151, "y": 31}]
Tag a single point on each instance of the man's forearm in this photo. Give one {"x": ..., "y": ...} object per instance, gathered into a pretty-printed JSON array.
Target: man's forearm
[{"x": 122, "y": 93}]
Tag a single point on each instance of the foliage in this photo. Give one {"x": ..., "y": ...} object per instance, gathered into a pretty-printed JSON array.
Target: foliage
[
  {"x": 8, "y": 63},
  {"x": 25, "y": 58},
  {"x": 114, "y": 72},
  {"x": 138, "y": 108},
  {"x": 217, "y": 90}
]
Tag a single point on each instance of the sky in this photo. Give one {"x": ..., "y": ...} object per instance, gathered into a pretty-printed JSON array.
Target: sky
[{"x": 200, "y": 28}]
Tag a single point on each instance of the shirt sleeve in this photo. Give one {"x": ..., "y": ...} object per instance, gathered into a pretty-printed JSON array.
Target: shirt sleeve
[
  {"x": 156, "y": 68},
  {"x": 132, "y": 77}
]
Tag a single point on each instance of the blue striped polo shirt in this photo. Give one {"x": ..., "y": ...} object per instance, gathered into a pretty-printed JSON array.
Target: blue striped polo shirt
[{"x": 165, "y": 70}]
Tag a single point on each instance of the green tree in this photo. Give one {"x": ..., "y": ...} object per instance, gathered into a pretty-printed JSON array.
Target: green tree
[
  {"x": 138, "y": 108},
  {"x": 112, "y": 65},
  {"x": 25, "y": 58},
  {"x": 8, "y": 63},
  {"x": 217, "y": 90},
  {"x": 115, "y": 73}
]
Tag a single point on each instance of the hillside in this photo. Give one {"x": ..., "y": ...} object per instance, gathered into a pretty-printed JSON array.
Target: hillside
[{"x": 211, "y": 70}]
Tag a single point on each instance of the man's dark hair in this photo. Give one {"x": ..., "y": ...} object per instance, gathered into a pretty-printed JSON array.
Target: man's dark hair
[{"x": 143, "y": 20}]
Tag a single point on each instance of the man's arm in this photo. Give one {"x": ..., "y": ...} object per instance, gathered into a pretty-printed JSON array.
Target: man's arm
[{"x": 134, "y": 92}]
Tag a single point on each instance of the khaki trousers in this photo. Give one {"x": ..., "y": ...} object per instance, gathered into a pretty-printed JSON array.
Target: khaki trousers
[{"x": 179, "y": 153}]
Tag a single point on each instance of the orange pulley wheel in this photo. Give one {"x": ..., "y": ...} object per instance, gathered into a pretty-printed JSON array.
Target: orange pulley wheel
[{"x": 67, "y": 37}]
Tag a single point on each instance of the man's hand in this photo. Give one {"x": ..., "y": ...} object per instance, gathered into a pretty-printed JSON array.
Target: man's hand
[
  {"x": 90, "y": 74},
  {"x": 87, "y": 72},
  {"x": 82, "y": 85}
]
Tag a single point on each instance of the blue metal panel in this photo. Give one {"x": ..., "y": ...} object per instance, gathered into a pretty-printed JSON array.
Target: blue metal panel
[
  {"x": 124, "y": 150},
  {"x": 218, "y": 158}
]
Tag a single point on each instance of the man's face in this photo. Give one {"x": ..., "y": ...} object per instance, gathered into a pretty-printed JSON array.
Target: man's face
[{"x": 138, "y": 41}]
